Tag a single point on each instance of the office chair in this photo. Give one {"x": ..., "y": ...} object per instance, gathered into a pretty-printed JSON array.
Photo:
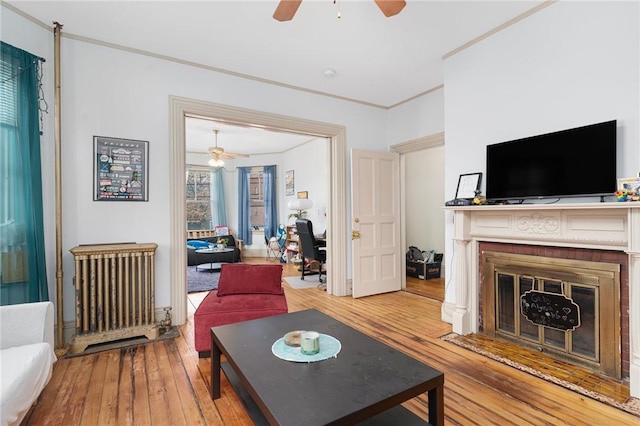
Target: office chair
[{"x": 311, "y": 248}]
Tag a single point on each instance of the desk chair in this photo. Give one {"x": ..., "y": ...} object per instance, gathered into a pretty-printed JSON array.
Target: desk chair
[{"x": 312, "y": 249}]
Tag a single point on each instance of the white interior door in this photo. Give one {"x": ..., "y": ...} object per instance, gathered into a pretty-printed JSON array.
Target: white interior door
[{"x": 375, "y": 202}]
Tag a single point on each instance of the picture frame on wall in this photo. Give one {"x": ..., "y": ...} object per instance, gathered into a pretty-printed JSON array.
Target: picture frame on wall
[
  {"x": 120, "y": 169},
  {"x": 303, "y": 194},
  {"x": 468, "y": 185},
  {"x": 289, "y": 182}
]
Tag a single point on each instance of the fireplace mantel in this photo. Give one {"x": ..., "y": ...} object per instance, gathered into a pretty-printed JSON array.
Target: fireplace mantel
[{"x": 604, "y": 226}]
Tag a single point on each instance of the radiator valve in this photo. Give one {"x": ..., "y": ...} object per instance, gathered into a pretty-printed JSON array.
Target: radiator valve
[{"x": 165, "y": 324}]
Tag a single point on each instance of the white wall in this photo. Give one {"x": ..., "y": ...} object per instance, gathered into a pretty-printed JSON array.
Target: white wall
[
  {"x": 309, "y": 163},
  {"x": 110, "y": 92},
  {"x": 571, "y": 64},
  {"x": 423, "y": 116},
  {"x": 423, "y": 169},
  {"x": 424, "y": 189}
]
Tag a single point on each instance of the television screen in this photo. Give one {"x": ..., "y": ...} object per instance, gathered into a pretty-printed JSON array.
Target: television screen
[{"x": 568, "y": 163}]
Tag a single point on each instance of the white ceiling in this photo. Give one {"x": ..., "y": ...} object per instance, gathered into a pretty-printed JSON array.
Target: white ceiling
[
  {"x": 378, "y": 61},
  {"x": 199, "y": 137}
]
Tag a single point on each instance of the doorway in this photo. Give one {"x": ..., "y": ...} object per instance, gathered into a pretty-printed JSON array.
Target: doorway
[
  {"x": 213, "y": 183},
  {"x": 336, "y": 209},
  {"x": 422, "y": 183}
]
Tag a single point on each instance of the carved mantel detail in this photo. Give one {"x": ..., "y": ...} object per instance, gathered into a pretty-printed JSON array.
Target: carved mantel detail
[{"x": 537, "y": 223}]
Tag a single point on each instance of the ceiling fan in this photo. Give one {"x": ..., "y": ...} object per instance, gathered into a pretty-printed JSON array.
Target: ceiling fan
[
  {"x": 217, "y": 153},
  {"x": 287, "y": 8}
]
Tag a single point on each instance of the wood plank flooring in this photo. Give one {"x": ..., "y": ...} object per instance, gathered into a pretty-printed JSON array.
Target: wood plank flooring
[
  {"x": 165, "y": 383},
  {"x": 432, "y": 288}
]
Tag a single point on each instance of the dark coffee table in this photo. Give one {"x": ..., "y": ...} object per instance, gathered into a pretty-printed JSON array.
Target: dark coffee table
[{"x": 367, "y": 380}]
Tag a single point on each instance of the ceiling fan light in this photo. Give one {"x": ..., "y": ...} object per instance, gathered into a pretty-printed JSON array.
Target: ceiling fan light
[{"x": 216, "y": 162}]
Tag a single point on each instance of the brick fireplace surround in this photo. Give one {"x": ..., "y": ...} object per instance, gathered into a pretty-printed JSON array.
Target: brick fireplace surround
[{"x": 607, "y": 231}]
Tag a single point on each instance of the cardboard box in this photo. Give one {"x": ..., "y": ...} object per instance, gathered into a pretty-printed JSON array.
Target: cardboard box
[
  {"x": 423, "y": 270},
  {"x": 433, "y": 270},
  {"x": 416, "y": 269}
]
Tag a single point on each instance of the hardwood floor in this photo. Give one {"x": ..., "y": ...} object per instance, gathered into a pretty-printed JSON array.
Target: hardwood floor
[
  {"x": 165, "y": 383},
  {"x": 432, "y": 288}
]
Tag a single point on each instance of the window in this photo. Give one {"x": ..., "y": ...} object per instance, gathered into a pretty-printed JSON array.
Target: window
[
  {"x": 7, "y": 150},
  {"x": 199, "y": 210},
  {"x": 256, "y": 196}
]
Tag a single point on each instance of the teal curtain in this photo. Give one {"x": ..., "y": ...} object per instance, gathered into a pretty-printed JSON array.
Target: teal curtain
[
  {"x": 270, "y": 202},
  {"x": 218, "y": 202},
  {"x": 22, "y": 265},
  {"x": 244, "y": 206}
]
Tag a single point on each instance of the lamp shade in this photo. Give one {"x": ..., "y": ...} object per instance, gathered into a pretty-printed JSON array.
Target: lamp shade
[{"x": 300, "y": 204}]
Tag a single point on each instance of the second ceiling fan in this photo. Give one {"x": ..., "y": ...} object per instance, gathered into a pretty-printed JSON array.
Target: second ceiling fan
[
  {"x": 217, "y": 153},
  {"x": 287, "y": 8}
]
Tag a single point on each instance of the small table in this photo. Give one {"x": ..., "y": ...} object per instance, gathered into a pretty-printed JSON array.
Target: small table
[
  {"x": 212, "y": 252},
  {"x": 367, "y": 380}
]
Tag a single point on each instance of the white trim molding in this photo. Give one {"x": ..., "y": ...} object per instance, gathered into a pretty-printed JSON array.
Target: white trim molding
[{"x": 179, "y": 108}]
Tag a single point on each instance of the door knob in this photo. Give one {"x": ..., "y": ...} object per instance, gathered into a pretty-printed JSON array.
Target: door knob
[{"x": 355, "y": 235}]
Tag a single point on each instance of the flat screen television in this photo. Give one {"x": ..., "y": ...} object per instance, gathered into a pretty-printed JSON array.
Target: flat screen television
[{"x": 579, "y": 162}]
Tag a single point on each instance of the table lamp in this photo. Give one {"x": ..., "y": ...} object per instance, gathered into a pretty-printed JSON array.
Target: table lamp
[{"x": 300, "y": 205}]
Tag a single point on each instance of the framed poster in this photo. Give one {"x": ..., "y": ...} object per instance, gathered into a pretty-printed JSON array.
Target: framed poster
[
  {"x": 120, "y": 169},
  {"x": 468, "y": 185},
  {"x": 289, "y": 183}
]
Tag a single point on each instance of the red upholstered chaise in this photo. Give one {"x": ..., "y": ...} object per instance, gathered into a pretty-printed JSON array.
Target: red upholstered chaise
[{"x": 244, "y": 292}]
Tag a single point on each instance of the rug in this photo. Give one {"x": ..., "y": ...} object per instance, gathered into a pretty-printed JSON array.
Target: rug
[
  {"x": 308, "y": 282},
  {"x": 632, "y": 405},
  {"x": 201, "y": 280}
]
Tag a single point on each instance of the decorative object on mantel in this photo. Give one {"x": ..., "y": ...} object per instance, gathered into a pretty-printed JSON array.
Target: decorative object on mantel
[
  {"x": 480, "y": 200},
  {"x": 468, "y": 190},
  {"x": 628, "y": 189},
  {"x": 329, "y": 348},
  {"x": 468, "y": 186}
]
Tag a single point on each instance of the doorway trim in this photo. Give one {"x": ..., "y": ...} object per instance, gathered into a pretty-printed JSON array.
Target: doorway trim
[{"x": 179, "y": 108}]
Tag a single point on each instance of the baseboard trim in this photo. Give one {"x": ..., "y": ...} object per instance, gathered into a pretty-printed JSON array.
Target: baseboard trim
[{"x": 446, "y": 311}]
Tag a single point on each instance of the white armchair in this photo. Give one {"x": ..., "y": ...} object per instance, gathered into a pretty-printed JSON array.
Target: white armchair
[{"x": 26, "y": 357}]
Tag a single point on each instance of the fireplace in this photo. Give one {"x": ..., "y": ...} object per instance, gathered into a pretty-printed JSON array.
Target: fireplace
[
  {"x": 608, "y": 297},
  {"x": 564, "y": 306}
]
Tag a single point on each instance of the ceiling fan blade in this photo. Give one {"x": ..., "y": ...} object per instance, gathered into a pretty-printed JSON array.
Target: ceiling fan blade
[
  {"x": 233, "y": 155},
  {"x": 286, "y": 10},
  {"x": 391, "y": 7}
]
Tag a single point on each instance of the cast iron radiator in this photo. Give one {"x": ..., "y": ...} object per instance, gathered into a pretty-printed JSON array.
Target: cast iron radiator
[{"x": 114, "y": 293}]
